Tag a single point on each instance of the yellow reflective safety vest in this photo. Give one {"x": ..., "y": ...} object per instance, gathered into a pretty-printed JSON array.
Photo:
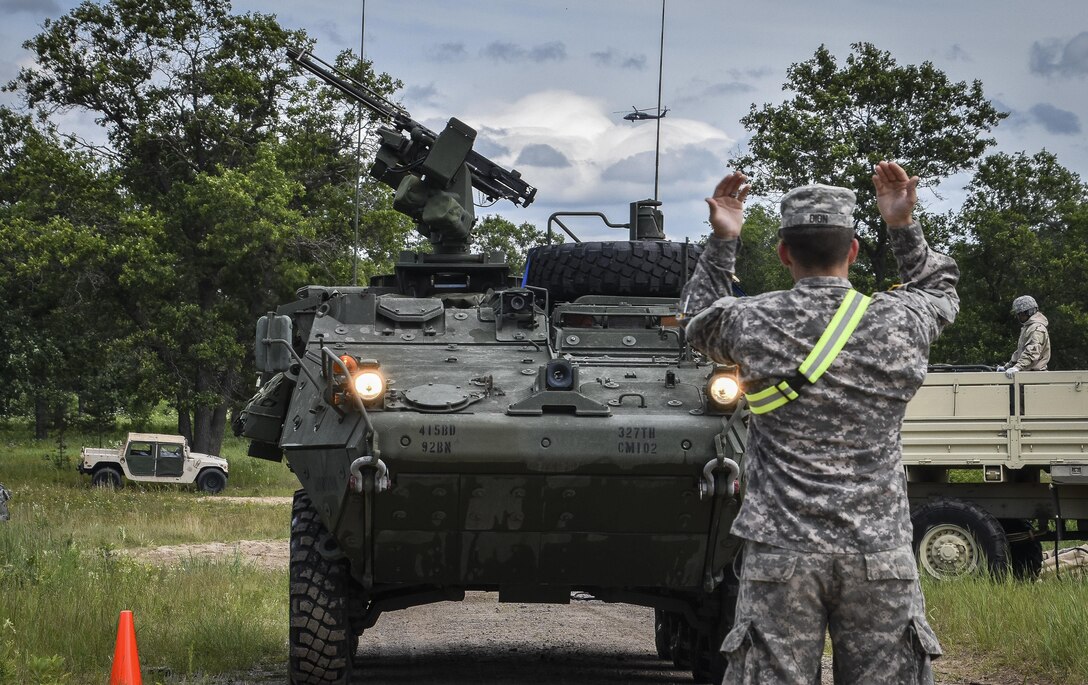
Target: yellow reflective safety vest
[{"x": 836, "y": 334}]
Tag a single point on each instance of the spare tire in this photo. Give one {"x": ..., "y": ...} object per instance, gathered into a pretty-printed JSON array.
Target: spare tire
[{"x": 640, "y": 268}]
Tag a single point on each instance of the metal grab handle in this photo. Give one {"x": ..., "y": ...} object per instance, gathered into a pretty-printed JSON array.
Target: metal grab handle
[{"x": 619, "y": 400}]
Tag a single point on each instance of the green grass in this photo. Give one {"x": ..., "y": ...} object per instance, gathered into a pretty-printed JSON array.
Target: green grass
[
  {"x": 1034, "y": 629},
  {"x": 63, "y": 582}
]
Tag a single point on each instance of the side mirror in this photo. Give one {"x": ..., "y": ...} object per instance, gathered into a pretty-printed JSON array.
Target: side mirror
[{"x": 272, "y": 351}]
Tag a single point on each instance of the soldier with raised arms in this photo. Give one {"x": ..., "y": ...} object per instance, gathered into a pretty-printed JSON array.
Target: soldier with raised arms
[{"x": 828, "y": 373}]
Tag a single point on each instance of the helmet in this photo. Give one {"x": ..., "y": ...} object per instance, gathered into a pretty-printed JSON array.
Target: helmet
[{"x": 1023, "y": 303}]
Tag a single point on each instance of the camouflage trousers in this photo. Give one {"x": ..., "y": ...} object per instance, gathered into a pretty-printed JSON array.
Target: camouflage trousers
[{"x": 871, "y": 604}]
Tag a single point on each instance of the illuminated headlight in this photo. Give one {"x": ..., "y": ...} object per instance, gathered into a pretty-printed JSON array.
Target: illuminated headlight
[
  {"x": 723, "y": 389},
  {"x": 369, "y": 385}
]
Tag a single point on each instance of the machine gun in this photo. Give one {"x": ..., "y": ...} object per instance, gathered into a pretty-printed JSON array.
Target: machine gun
[{"x": 433, "y": 174}]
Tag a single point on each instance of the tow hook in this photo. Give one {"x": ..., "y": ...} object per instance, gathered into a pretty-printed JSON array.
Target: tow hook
[
  {"x": 707, "y": 486},
  {"x": 382, "y": 481}
]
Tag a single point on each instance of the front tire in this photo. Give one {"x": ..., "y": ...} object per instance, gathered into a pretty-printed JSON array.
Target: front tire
[
  {"x": 212, "y": 481},
  {"x": 322, "y": 642},
  {"x": 107, "y": 477},
  {"x": 954, "y": 538}
]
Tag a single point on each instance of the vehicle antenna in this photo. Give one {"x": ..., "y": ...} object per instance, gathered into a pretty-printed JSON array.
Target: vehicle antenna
[
  {"x": 660, "y": 68},
  {"x": 358, "y": 157}
]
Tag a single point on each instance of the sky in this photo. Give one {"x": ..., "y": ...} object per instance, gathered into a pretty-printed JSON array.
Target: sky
[{"x": 546, "y": 83}]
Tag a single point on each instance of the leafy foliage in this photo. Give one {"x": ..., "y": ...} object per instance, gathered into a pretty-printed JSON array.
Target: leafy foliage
[
  {"x": 843, "y": 119},
  {"x": 1024, "y": 232},
  {"x": 224, "y": 185}
]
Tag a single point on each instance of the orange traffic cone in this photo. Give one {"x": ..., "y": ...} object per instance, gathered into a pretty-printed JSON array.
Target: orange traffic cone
[{"x": 126, "y": 662}]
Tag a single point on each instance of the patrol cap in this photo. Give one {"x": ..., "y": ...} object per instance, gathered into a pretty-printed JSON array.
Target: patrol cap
[
  {"x": 818, "y": 205},
  {"x": 1023, "y": 303}
]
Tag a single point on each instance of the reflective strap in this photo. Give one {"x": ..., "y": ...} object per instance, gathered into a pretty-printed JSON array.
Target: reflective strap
[
  {"x": 771, "y": 398},
  {"x": 829, "y": 345},
  {"x": 836, "y": 334}
]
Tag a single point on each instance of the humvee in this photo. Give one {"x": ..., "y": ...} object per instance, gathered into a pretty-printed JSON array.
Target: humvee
[
  {"x": 153, "y": 458},
  {"x": 456, "y": 429}
]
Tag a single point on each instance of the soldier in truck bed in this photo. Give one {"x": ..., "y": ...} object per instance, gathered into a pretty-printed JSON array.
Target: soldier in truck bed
[
  {"x": 1033, "y": 348},
  {"x": 825, "y": 515}
]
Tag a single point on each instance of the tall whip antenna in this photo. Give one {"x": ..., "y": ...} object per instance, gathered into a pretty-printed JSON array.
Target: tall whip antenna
[
  {"x": 660, "y": 69},
  {"x": 359, "y": 159}
]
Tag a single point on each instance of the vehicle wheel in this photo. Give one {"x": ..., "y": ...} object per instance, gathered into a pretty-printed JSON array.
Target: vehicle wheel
[
  {"x": 1027, "y": 552},
  {"x": 956, "y": 538},
  {"x": 107, "y": 477},
  {"x": 322, "y": 642},
  {"x": 707, "y": 661},
  {"x": 212, "y": 481},
  {"x": 640, "y": 268},
  {"x": 663, "y": 628}
]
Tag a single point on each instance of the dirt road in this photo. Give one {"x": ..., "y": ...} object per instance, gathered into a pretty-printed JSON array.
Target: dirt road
[{"x": 482, "y": 641}]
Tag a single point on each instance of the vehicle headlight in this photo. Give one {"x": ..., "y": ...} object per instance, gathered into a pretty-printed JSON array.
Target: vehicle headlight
[
  {"x": 369, "y": 385},
  {"x": 723, "y": 390}
]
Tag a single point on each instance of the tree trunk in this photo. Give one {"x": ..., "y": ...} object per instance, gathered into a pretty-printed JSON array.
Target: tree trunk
[
  {"x": 185, "y": 421},
  {"x": 41, "y": 418}
]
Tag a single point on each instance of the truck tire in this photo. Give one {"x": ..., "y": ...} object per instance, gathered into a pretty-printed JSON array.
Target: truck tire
[
  {"x": 640, "y": 268},
  {"x": 108, "y": 477},
  {"x": 211, "y": 481},
  {"x": 957, "y": 538},
  {"x": 322, "y": 642},
  {"x": 1027, "y": 554}
]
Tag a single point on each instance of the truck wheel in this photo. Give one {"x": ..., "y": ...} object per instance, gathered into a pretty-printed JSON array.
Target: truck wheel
[
  {"x": 108, "y": 477},
  {"x": 956, "y": 538},
  {"x": 640, "y": 268},
  {"x": 212, "y": 481},
  {"x": 1027, "y": 552},
  {"x": 707, "y": 661},
  {"x": 322, "y": 642}
]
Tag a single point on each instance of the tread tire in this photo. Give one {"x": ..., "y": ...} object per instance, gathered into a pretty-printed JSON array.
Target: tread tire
[
  {"x": 212, "y": 481},
  {"x": 108, "y": 477},
  {"x": 985, "y": 531},
  {"x": 640, "y": 268},
  {"x": 322, "y": 642}
]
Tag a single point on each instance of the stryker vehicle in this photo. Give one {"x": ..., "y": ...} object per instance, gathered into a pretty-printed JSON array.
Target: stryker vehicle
[{"x": 456, "y": 430}]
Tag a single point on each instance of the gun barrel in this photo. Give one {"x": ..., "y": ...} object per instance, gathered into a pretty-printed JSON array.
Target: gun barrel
[
  {"x": 489, "y": 178},
  {"x": 351, "y": 87}
]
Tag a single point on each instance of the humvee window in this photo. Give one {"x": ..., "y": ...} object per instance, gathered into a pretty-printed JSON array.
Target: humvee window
[
  {"x": 140, "y": 449},
  {"x": 170, "y": 450}
]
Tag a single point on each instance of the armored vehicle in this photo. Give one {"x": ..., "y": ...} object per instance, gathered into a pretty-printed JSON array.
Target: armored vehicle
[
  {"x": 454, "y": 429},
  {"x": 153, "y": 458}
]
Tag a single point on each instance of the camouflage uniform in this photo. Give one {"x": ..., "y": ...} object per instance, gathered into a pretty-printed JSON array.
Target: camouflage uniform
[
  {"x": 1033, "y": 348},
  {"x": 825, "y": 511},
  {"x": 5, "y": 495}
]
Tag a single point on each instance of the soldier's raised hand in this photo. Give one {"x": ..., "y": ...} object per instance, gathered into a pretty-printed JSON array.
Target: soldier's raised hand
[
  {"x": 727, "y": 205},
  {"x": 896, "y": 193}
]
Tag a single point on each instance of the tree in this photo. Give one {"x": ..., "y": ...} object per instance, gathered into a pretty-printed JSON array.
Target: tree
[
  {"x": 842, "y": 120},
  {"x": 496, "y": 234},
  {"x": 758, "y": 266},
  {"x": 237, "y": 179},
  {"x": 1025, "y": 232}
]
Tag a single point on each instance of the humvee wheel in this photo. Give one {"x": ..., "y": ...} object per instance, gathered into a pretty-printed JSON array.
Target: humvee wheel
[
  {"x": 955, "y": 538},
  {"x": 322, "y": 642},
  {"x": 211, "y": 481},
  {"x": 640, "y": 268},
  {"x": 107, "y": 477}
]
